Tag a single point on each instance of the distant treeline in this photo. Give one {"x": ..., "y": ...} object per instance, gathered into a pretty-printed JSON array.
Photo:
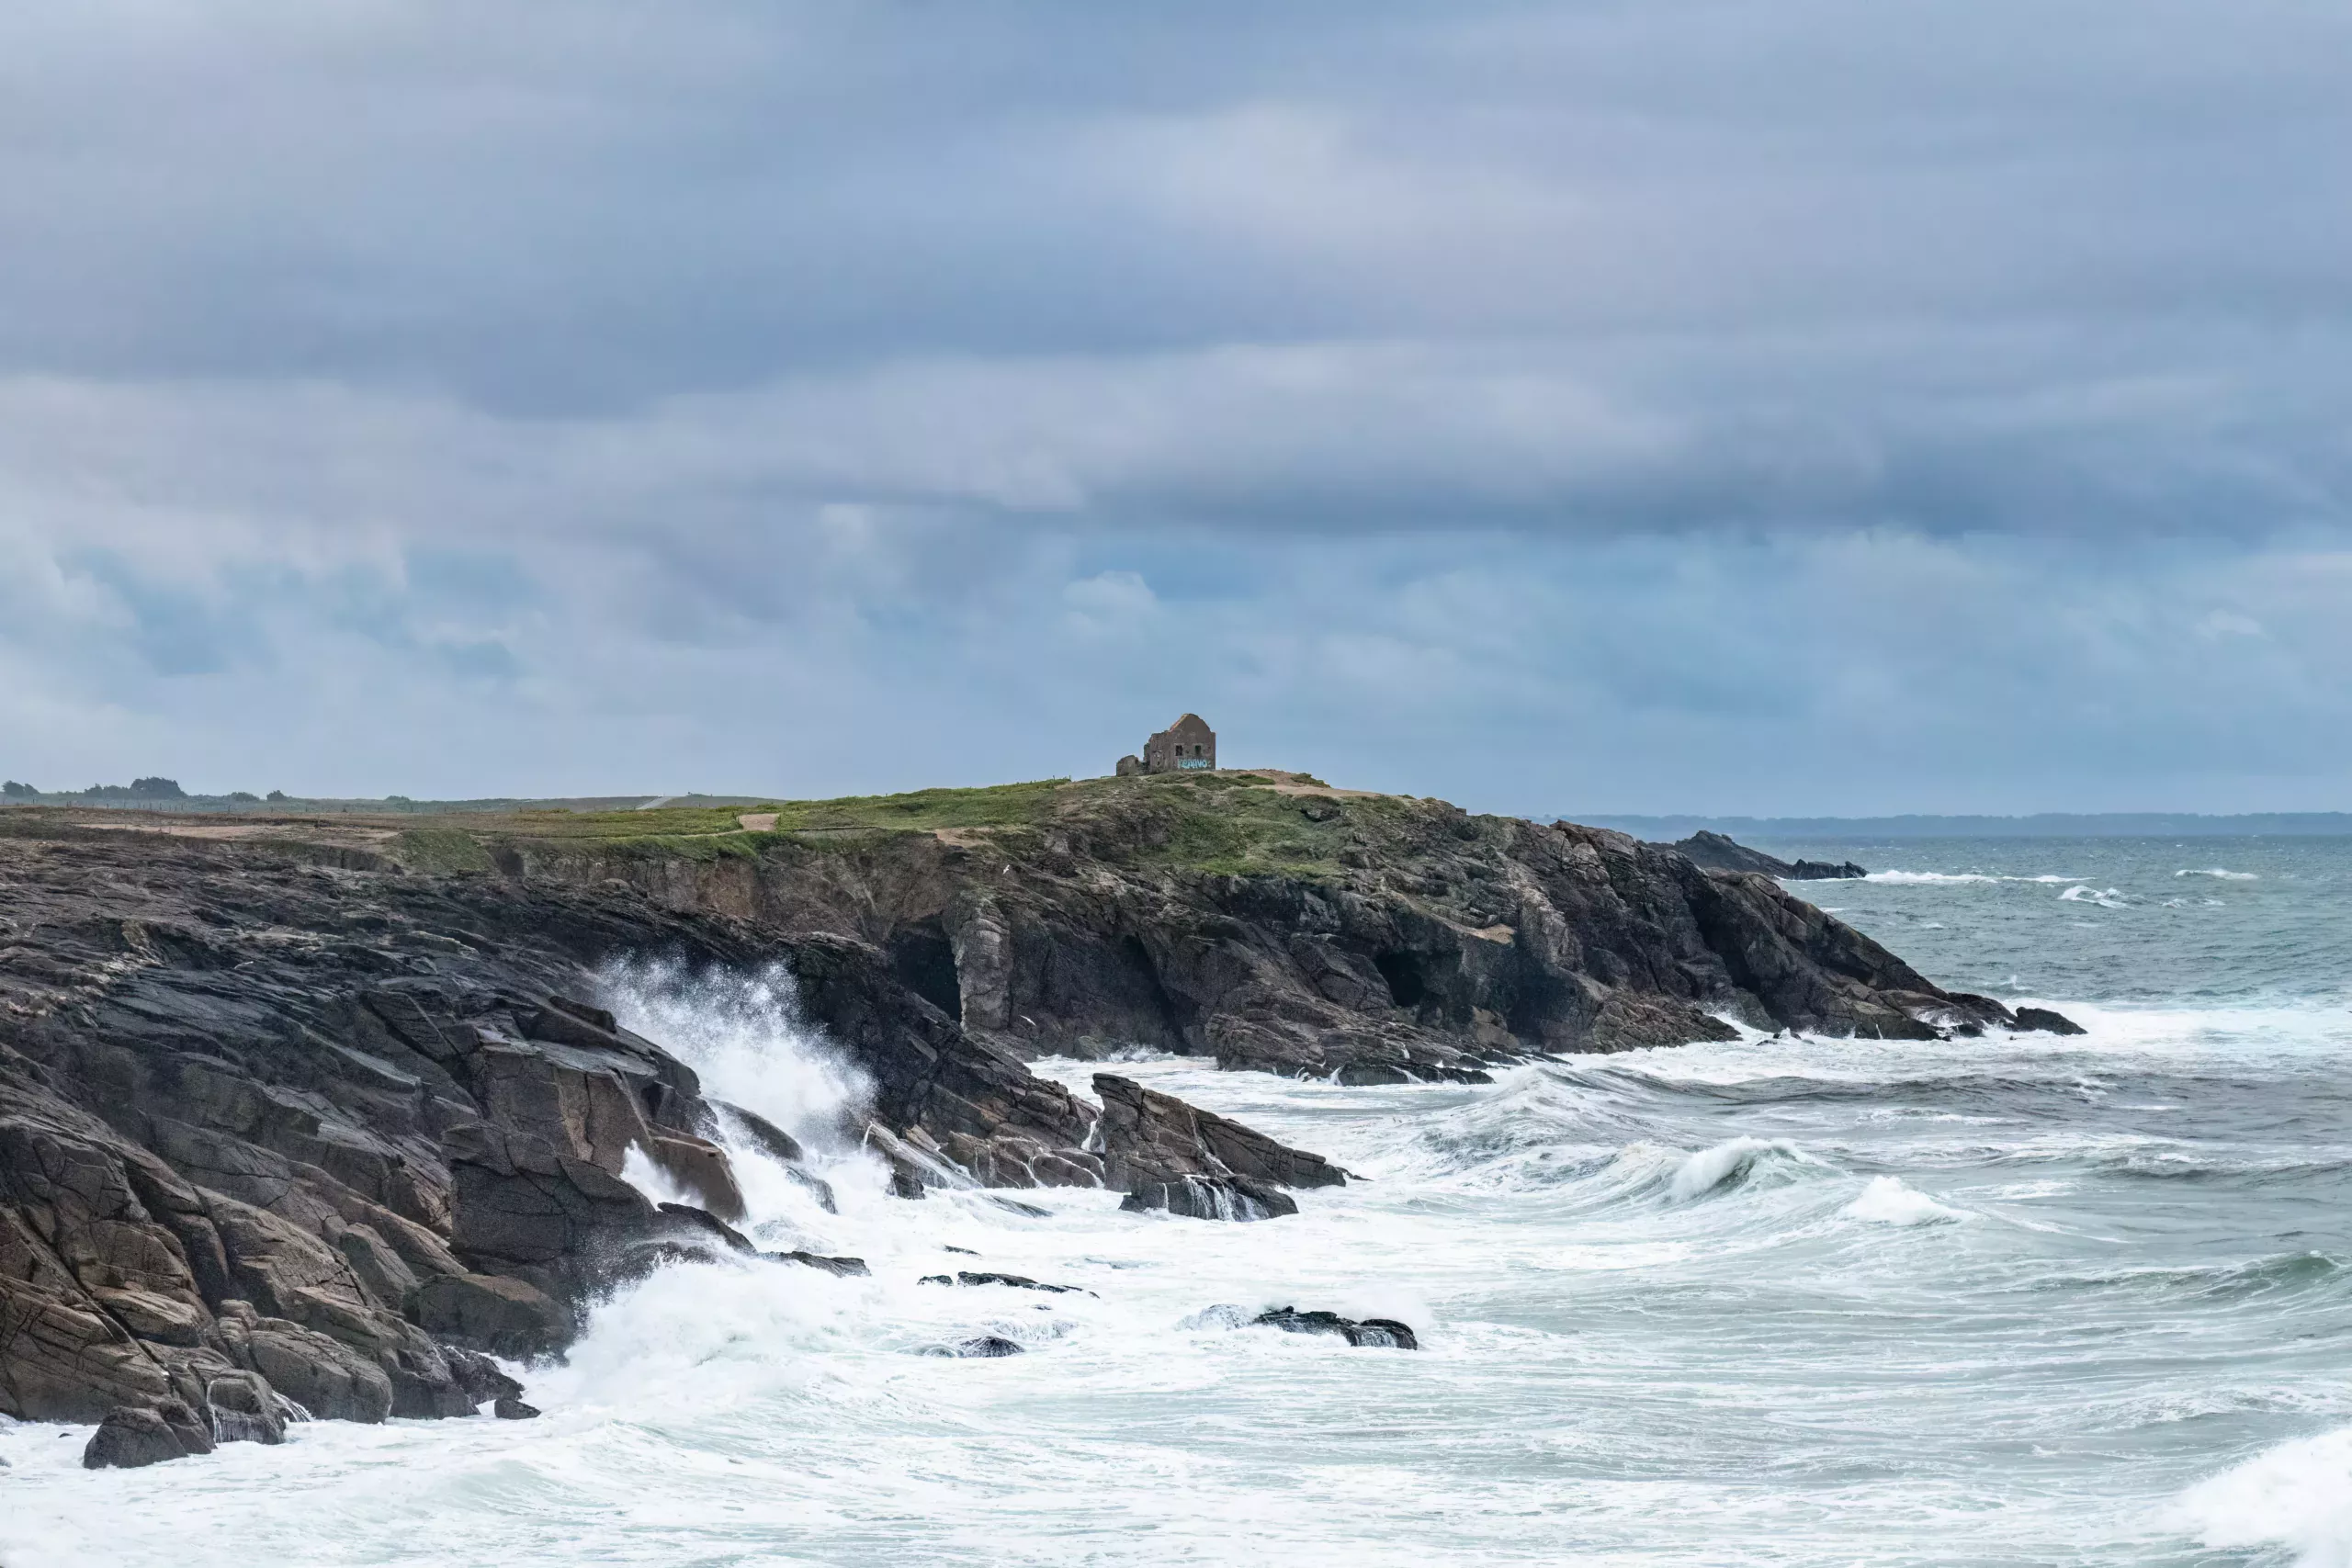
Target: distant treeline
[{"x": 2042, "y": 825}]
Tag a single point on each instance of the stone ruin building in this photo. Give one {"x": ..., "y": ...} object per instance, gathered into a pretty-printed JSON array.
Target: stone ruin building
[{"x": 1183, "y": 746}]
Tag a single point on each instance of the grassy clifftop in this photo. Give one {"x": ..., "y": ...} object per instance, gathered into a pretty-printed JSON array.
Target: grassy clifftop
[{"x": 1234, "y": 823}]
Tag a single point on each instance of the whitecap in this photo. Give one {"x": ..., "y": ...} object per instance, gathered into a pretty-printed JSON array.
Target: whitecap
[
  {"x": 2298, "y": 1495},
  {"x": 2083, "y": 893},
  {"x": 1928, "y": 876},
  {"x": 1728, "y": 1162},
  {"x": 1887, "y": 1200},
  {"x": 2225, "y": 875}
]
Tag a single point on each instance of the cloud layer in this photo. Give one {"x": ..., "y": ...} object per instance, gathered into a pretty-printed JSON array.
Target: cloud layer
[{"x": 1685, "y": 406}]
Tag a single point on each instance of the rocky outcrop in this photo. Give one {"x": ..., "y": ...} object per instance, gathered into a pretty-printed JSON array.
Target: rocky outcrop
[
  {"x": 1299, "y": 930},
  {"x": 1165, "y": 1154},
  {"x": 133, "y": 1436},
  {"x": 1717, "y": 852}
]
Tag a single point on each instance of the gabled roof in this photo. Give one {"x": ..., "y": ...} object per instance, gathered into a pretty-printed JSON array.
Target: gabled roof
[{"x": 1191, "y": 722}]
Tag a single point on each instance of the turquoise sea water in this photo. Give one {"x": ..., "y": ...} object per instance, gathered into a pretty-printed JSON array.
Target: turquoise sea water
[{"x": 2010, "y": 1301}]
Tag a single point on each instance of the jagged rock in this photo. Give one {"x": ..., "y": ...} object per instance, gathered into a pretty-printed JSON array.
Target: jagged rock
[
  {"x": 845, "y": 1267},
  {"x": 510, "y": 1408},
  {"x": 1211, "y": 1198},
  {"x": 132, "y": 1436},
  {"x": 1149, "y": 1136},
  {"x": 1385, "y": 1333},
  {"x": 2043, "y": 1021},
  {"x": 499, "y": 1314}
]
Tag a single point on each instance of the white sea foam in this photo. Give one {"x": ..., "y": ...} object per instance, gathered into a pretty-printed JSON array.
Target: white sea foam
[
  {"x": 2225, "y": 875},
  {"x": 1930, "y": 878},
  {"x": 2083, "y": 893},
  {"x": 1888, "y": 1201},
  {"x": 2298, "y": 1495}
]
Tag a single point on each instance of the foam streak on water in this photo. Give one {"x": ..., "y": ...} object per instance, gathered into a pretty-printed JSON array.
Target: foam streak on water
[{"x": 1778, "y": 1300}]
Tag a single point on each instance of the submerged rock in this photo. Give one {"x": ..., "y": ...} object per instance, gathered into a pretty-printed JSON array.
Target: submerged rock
[
  {"x": 980, "y": 1347},
  {"x": 1017, "y": 1282},
  {"x": 1384, "y": 1333}
]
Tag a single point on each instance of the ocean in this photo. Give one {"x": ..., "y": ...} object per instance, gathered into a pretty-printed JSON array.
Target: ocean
[{"x": 1783, "y": 1300}]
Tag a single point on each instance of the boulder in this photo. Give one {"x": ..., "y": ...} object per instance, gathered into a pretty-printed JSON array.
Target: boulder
[
  {"x": 2044, "y": 1021},
  {"x": 133, "y": 1436},
  {"x": 510, "y": 1408}
]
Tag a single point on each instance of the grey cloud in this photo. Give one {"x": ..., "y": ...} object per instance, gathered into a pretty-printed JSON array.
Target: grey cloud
[{"x": 1601, "y": 396}]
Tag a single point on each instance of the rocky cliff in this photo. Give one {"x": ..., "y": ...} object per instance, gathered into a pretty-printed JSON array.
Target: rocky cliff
[
  {"x": 1271, "y": 922},
  {"x": 316, "y": 1113}
]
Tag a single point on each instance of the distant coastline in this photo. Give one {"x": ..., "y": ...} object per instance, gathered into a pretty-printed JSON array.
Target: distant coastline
[{"x": 2042, "y": 825}]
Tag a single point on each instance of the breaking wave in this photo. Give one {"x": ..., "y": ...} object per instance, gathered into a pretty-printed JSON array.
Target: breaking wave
[{"x": 2297, "y": 1496}]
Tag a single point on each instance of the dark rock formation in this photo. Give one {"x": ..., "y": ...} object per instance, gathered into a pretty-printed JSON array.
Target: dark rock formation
[
  {"x": 1165, "y": 1154},
  {"x": 1384, "y": 1333},
  {"x": 132, "y": 1436},
  {"x": 512, "y": 1409},
  {"x": 1717, "y": 852},
  {"x": 1151, "y": 1136},
  {"x": 2044, "y": 1021}
]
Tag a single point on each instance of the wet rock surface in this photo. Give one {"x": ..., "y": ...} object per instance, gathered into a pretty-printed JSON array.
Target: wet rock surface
[{"x": 1382, "y": 1332}]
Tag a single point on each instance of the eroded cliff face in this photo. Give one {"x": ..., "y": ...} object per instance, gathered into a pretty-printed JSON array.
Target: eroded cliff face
[{"x": 1372, "y": 937}]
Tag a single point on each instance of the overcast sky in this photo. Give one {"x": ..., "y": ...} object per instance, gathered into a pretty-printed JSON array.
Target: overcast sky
[{"x": 1802, "y": 406}]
